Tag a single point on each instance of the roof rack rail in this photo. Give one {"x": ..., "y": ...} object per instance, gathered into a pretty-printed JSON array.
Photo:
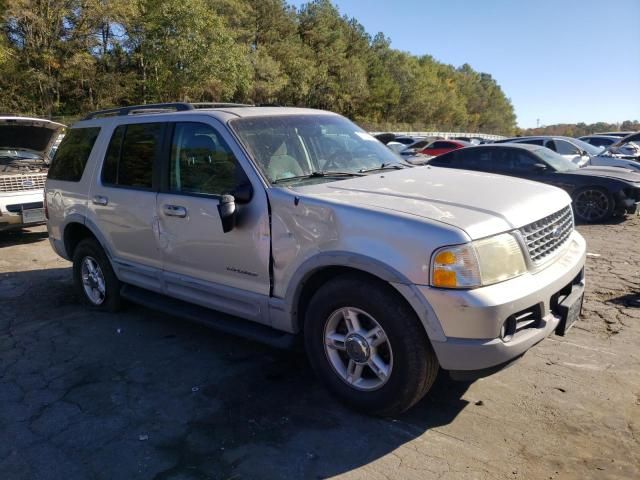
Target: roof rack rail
[
  {"x": 219, "y": 104},
  {"x": 160, "y": 108},
  {"x": 152, "y": 107}
]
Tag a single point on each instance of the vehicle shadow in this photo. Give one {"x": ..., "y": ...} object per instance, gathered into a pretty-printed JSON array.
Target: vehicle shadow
[
  {"x": 22, "y": 236},
  {"x": 195, "y": 403},
  {"x": 629, "y": 300}
]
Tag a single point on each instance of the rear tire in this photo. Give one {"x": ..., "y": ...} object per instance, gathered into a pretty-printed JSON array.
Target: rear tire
[
  {"x": 593, "y": 204},
  {"x": 93, "y": 277},
  {"x": 368, "y": 346}
]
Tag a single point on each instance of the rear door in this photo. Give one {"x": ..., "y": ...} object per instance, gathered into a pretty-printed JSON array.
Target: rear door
[
  {"x": 202, "y": 264},
  {"x": 123, "y": 202}
]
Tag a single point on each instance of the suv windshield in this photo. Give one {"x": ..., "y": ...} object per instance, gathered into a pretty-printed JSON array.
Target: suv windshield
[
  {"x": 294, "y": 149},
  {"x": 558, "y": 162},
  {"x": 7, "y": 153}
]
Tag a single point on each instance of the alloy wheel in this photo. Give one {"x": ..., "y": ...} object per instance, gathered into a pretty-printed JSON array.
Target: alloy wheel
[
  {"x": 358, "y": 349},
  {"x": 93, "y": 281}
]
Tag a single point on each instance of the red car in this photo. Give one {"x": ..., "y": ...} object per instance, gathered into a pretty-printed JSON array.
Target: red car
[{"x": 443, "y": 146}]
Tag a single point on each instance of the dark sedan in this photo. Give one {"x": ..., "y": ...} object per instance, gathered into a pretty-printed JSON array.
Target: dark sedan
[{"x": 597, "y": 192}]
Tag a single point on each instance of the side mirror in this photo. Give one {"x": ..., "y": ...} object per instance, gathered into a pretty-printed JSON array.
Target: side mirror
[
  {"x": 227, "y": 210},
  {"x": 540, "y": 167}
]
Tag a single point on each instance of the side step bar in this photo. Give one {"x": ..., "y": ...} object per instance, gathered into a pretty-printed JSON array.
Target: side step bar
[{"x": 220, "y": 321}]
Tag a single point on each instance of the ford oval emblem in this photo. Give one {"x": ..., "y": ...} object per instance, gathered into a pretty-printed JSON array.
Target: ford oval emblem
[{"x": 27, "y": 183}]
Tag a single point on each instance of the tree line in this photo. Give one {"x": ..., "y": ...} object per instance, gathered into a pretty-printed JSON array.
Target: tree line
[
  {"x": 581, "y": 129},
  {"x": 62, "y": 58}
]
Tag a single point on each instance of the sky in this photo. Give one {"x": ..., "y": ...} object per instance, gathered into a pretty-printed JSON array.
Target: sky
[{"x": 559, "y": 61}]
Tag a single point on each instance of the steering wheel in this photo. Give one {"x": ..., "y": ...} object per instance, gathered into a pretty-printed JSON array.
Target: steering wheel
[{"x": 334, "y": 160}]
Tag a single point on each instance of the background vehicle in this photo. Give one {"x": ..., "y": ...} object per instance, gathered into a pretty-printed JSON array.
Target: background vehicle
[
  {"x": 597, "y": 193},
  {"x": 303, "y": 224},
  {"x": 616, "y": 134},
  {"x": 442, "y": 146},
  {"x": 630, "y": 149},
  {"x": 24, "y": 160},
  {"x": 577, "y": 151},
  {"x": 561, "y": 145}
]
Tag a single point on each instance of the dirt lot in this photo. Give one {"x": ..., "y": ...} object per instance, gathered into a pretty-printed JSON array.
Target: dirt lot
[{"x": 143, "y": 395}]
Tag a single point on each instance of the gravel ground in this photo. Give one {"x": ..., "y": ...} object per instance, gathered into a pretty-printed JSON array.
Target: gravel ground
[{"x": 144, "y": 395}]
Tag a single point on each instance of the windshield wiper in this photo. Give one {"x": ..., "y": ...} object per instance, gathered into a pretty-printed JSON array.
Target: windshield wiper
[
  {"x": 384, "y": 166},
  {"x": 319, "y": 174}
]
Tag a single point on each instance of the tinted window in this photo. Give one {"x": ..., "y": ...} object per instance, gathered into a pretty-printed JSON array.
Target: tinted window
[
  {"x": 201, "y": 161},
  {"x": 470, "y": 159},
  {"x": 478, "y": 159},
  {"x": 566, "y": 148},
  {"x": 599, "y": 142},
  {"x": 511, "y": 161},
  {"x": 538, "y": 141},
  {"x": 440, "y": 145},
  {"x": 551, "y": 145},
  {"x": 72, "y": 154},
  {"x": 131, "y": 154}
]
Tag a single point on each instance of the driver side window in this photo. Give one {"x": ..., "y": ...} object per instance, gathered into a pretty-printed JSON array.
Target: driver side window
[
  {"x": 201, "y": 161},
  {"x": 566, "y": 148}
]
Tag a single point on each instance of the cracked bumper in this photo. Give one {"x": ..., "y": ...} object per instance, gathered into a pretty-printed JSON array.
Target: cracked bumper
[{"x": 472, "y": 319}]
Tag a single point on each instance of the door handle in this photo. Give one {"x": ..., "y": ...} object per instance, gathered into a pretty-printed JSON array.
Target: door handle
[
  {"x": 174, "y": 211},
  {"x": 100, "y": 200}
]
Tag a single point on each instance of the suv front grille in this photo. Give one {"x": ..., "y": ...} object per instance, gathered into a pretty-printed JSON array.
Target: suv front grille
[
  {"x": 20, "y": 183},
  {"x": 548, "y": 234}
]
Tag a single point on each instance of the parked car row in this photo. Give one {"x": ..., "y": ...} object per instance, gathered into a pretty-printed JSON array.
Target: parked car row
[
  {"x": 601, "y": 183},
  {"x": 597, "y": 192}
]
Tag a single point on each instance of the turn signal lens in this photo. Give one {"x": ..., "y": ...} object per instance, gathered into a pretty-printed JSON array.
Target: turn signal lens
[
  {"x": 479, "y": 263},
  {"x": 445, "y": 278},
  {"x": 455, "y": 267}
]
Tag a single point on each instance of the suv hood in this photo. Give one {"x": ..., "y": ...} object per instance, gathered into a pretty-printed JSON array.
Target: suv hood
[
  {"x": 481, "y": 204},
  {"x": 23, "y": 133}
]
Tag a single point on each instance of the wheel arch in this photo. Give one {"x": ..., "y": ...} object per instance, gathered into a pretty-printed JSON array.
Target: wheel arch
[
  {"x": 322, "y": 268},
  {"x": 76, "y": 230}
]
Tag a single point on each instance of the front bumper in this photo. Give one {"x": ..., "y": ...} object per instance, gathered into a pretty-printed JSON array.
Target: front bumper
[
  {"x": 11, "y": 216},
  {"x": 627, "y": 201},
  {"x": 472, "y": 320}
]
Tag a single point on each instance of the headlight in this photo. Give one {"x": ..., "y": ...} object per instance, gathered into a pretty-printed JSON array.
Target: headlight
[{"x": 479, "y": 263}]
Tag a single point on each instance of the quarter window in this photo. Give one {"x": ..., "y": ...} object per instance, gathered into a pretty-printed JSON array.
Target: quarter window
[
  {"x": 73, "y": 153},
  {"x": 131, "y": 155},
  {"x": 201, "y": 161}
]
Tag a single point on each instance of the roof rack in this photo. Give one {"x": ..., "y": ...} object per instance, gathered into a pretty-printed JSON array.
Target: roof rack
[{"x": 159, "y": 108}]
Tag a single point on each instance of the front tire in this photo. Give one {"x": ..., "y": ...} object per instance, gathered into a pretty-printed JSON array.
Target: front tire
[
  {"x": 368, "y": 346},
  {"x": 93, "y": 277},
  {"x": 593, "y": 204}
]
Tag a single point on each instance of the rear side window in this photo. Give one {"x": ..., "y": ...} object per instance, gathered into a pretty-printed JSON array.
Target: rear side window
[
  {"x": 131, "y": 155},
  {"x": 537, "y": 141},
  {"x": 72, "y": 154}
]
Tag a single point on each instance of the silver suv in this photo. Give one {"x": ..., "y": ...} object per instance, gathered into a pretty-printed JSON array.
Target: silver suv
[{"x": 306, "y": 226}]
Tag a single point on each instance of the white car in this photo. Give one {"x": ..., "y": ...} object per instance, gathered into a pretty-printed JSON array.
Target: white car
[
  {"x": 25, "y": 144},
  {"x": 630, "y": 149},
  {"x": 581, "y": 153}
]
